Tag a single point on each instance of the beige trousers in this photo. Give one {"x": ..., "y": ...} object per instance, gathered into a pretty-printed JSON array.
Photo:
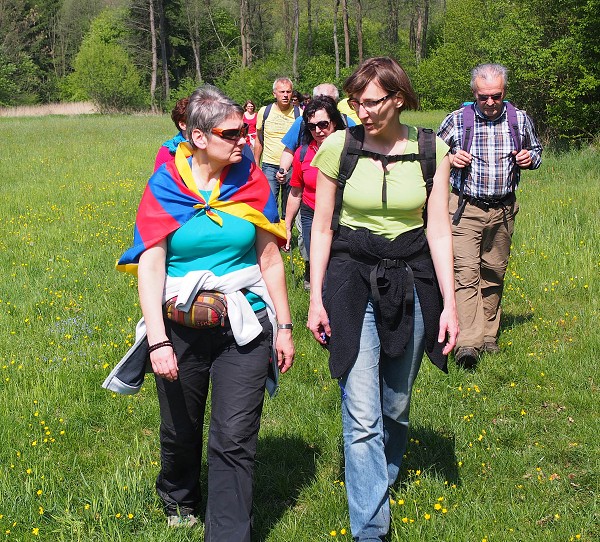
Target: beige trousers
[{"x": 481, "y": 242}]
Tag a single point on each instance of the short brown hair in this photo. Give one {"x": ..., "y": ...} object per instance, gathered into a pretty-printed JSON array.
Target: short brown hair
[
  {"x": 388, "y": 74},
  {"x": 179, "y": 112}
]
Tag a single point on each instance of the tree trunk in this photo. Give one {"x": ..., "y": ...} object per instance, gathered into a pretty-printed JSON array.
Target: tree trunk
[
  {"x": 336, "y": 46},
  {"x": 309, "y": 28},
  {"x": 418, "y": 29},
  {"x": 359, "y": 34},
  {"x": 153, "y": 52},
  {"x": 393, "y": 21},
  {"x": 163, "y": 47},
  {"x": 287, "y": 26},
  {"x": 296, "y": 7},
  {"x": 346, "y": 32},
  {"x": 245, "y": 34}
]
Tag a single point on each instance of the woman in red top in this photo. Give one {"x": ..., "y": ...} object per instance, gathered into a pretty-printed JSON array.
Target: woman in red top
[
  {"x": 321, "y": 118},
  {"x": 250, "y": 120}
]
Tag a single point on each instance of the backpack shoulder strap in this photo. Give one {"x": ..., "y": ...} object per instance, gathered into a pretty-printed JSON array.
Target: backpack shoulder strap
[
  {"x": 513, "y": 125},
  {"x": 297, "y": 112},
  {"x": 303, "y": 151},
  {"x": 427, "y": 160},
  {"x": 468, "y": 112},
  {"x": 468, "y": 126},
  {"x": 353, "y": 144},
  {"x": 301, "y": 133},
  {"x": 265, "y": 115}
]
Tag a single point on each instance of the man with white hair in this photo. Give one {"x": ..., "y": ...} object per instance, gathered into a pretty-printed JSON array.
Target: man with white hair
[{"x": 490, "y": 141}]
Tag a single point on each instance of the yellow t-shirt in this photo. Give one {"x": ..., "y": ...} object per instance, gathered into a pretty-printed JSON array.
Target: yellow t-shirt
[
  {"x": 276, "y": 126},
  {"x": 343, "y": 107},
  {"x": 362, "y": 205}
]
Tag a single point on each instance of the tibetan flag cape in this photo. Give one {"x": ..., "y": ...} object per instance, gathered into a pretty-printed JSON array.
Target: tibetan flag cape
[{"x": 171, "y": 198}]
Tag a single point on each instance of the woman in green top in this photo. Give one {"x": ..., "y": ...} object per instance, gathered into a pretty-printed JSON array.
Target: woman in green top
[{"x": 381, "y": 307}]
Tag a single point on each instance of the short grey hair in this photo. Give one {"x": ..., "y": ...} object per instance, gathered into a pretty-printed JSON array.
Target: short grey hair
[
  {"x": 327, "y": 89},
  {"x": 282, "y": 80},
  {"x": 488, "y": 72},
  {"x": 209, "y": 107}
]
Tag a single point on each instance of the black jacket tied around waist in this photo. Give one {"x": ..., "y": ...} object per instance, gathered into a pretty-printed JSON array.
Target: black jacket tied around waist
[{"x": 363, "y": 264}]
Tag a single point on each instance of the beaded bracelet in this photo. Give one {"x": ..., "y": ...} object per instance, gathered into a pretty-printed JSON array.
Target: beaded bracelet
[{"x": 159, "y": 345}]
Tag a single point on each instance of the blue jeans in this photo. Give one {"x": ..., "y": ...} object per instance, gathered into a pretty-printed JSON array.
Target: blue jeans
[
  {"x": 306, "y": 219},
  {"x": 270, "y": 170},
  {"x": 375, "y": 406}
]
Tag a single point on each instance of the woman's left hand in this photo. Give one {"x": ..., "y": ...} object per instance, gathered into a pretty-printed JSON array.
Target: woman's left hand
[
  {"x": 284, "y": 346},
  {"x": 448, "y": 329}
]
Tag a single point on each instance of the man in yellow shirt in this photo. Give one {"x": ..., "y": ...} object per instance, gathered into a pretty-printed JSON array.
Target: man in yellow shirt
[{"x": 270, "y": 130}]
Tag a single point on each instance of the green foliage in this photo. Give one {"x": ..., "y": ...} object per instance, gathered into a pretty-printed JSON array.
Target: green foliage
[
  {"x": 256, "y": 84},
  {"x": 554, "y": 74},
  {"x": 104, "y": 71}
]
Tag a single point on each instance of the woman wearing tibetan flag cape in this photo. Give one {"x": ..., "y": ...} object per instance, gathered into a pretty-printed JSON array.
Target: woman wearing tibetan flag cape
[{"x": 208, "y": 221}]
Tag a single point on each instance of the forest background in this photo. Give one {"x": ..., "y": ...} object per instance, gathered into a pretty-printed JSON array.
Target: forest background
[{"x": 127, "y": 55}]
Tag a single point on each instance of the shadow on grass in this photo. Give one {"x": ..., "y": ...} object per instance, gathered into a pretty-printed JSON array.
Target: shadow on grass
[
  {"x": 430, "y": 451},
  {"x": 284, "y": 467},
  {"x": 510, "y": 321}
]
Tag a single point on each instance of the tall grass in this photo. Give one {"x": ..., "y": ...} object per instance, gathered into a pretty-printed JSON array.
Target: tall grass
[{"x": 507, "y": 453}]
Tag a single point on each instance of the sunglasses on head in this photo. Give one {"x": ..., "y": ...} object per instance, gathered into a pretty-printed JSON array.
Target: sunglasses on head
[
  {"x": 321, "y": 125},
  {"x": 486, "y": 97},
  {"x": 232, "y": 134}
]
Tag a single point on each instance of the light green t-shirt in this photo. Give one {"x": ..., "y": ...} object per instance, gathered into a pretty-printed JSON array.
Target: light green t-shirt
[
  {"x": 277, "y": 124},
  {"x": 362, "y": 205}
]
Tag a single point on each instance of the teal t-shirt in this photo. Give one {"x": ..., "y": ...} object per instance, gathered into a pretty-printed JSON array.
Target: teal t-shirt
[
  {"x": 202, "y": 244},
  {"x": 362, "y": 205}
]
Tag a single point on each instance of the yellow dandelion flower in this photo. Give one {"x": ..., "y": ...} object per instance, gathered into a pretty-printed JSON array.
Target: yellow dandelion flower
[
  {"x": 333, "y": 533},
  {"x": 343, "y": 531},
  {"x": 35, "y": 531},
  {"x": 38, "y": 492},
  {"x": 437, "y": 506},
  {"x": 130, "y": 515},
  {"x": 41, "y": 511},
  {"x": 427, "y": 516},
  {"x": 404, "y": 520},
  {"x": 401, "y": 502}
]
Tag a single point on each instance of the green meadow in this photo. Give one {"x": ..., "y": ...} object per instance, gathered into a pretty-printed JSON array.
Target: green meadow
[{"x": 507, "y": 453}]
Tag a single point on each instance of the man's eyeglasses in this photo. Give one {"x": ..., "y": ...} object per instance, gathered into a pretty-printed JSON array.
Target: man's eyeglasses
[
  {"x": 486, "y": 97},
  {"x": 321, "y": 125},
  {"x": 368, "y": 105},
  {"x": 232, "y": 134}
]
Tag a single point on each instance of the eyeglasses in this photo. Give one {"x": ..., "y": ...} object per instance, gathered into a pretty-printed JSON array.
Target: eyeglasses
[
  {"x": 321, "y": 125},
  {"x": 368, "y": 105},
  {"x": 231, "y": 134},
  {"x": 486, "y": 97}
]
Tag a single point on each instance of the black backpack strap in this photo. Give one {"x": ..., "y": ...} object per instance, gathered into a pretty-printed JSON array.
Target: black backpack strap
[
  {"x": 303, "y": 151},
  {"x": 427, "y": 159},
  {"x": 261, "y": 135},
  {"x": 353, "y": 143},
  {"x": 301, "y": 133}
]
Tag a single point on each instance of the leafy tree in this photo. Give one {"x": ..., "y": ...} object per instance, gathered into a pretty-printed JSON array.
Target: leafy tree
[{"x": 104, "y": 70}]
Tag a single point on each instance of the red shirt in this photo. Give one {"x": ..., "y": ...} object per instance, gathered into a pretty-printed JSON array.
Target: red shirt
[{"x": 304, "y": 175}]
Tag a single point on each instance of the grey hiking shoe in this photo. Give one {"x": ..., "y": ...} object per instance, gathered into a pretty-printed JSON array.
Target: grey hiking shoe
[
  {"x": 466, "y": 357},
  {"x": 186, "y": 520},
  {"x": 491, "y": 347}
]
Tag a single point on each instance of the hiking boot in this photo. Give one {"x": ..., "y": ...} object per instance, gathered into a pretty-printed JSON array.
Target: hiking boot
[
  {"x": 491, "y": 347},
  {"x": 466, "y": 357},
  {"x": 185, "y": 520}
]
